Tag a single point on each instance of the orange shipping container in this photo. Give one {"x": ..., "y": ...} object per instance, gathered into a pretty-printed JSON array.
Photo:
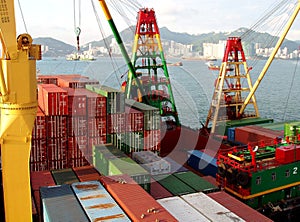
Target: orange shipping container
[{"x": 134, "y": 200}]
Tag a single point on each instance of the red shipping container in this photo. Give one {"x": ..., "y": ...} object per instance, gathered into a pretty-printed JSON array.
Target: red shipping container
[
  {"x": 86, "y": 173},
  {"x": 57, "y": 149},
  {"x": 115, "y": 123},
  {"x": 39, "y": 129},
  {"x": 41, "y": 179},
  {"x": 56, "y": 126},
  {"x": 38, "y": 152},
  {"x": 134, "y": 200},
  {"x": 240, "y": 209},
  {"x": 152, "y": 140},
  {"x": 52, "y": 99},
  {"x": 47, "y": 79},
  {"x": 75, "y": 81},
  {"x": 77, "y": 147},
  {"x": 158, "y": 191},
  {"x": 134, "y": 120},
  {"x": 287, "y": 154},
  {"x": 77, "y": 126},
  {"x": 96, "y": 126},
  {"x": 77, "y": 102}
]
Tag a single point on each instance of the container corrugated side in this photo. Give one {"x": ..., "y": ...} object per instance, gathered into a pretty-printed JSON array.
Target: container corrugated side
[
  {"x": 60, "y": 204},
  {"x": 237, "y": 207},
  {"x": 196, "y": 182},
  {"x": 135, "y": 201},
  {"x": 173, "y": 184},
  {"x": 41, "y": 179},
  {"x": 97, "y": 202},
  {"x": 181, "y": 210},
  {"x": 64, "y": 176},
  {"x": 210, "y": 208}
]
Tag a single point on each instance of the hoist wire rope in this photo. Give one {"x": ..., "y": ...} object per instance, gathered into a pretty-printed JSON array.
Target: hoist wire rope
[
  {"x": 75, "y": 14},
  {"x": 291, "y": 86},
  {"x": 101, "y": 29},
  {"x": 22, "y": 15}
]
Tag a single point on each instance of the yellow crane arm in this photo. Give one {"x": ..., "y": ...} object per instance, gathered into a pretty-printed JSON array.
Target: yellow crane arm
[
  {"x": 269, "y": 61},
  {"x": 18, "y": 108}
]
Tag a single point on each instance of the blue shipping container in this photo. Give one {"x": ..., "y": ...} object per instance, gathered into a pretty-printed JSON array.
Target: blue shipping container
[
  {"x": 205, "y": 164},
  {"x": 97, "y": 202}
]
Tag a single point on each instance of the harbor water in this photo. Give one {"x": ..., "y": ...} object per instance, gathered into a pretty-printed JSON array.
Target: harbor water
[{"x": 193, "y": 84}]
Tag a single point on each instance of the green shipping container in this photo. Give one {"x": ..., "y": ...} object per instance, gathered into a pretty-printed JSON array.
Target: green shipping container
[
  {"x": 222, "y": 130},
  {"x": 174, "y": 185},
  {"x": 125, "y": 165},
  {"x": 196, "y": 182},
  {"x": 64, "y": 176}
]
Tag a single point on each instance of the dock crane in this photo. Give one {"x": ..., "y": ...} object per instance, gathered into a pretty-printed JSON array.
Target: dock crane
[{"x": 18, "y": 105}]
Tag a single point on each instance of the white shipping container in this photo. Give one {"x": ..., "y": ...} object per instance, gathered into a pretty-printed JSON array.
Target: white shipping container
[
  {"x": 210, "y": 208},
  {"x": 181, "y": 210}
]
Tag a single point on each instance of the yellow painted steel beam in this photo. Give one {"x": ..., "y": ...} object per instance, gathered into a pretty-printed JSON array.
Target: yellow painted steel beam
[
  {"x": 270, "y": 60},
  {"x": 18, "y": 107}
]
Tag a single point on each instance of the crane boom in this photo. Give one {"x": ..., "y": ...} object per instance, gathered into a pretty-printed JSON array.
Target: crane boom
[
  {"x": 18, "y": 105},
  {"x": 269, "y": 61}
]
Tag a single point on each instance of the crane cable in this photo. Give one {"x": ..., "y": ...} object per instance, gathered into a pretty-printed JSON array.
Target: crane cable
[
  {"x": 22, "y": 15},
  {"x": 291, "y": 86},
  {"x": 77, "y": 26}
]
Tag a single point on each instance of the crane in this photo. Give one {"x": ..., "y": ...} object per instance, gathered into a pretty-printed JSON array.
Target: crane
[{"x": 18, "y": 107}]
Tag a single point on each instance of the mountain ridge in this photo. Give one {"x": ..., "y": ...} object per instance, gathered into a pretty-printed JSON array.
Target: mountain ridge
[{"x": 59, "y": 48}]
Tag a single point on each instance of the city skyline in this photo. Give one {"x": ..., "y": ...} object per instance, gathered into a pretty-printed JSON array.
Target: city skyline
[{"x": 56, "y": 18}]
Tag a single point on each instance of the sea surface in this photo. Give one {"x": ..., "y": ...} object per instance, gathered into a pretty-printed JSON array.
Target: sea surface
[{"x": 278, "y": 95}]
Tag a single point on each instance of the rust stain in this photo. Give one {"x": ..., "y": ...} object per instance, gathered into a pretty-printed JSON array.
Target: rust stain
[
  {"x": 93, "y": 197},
  {"x": 87, "y": 186},
  {"x": 109, "y": 217},
  {"x": 102, "y": 206}
]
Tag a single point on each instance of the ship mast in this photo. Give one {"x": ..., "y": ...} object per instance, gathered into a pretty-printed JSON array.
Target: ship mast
[{"x": 230, "y": 88}]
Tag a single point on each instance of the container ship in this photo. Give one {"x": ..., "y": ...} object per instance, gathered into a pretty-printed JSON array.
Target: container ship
[{"x": 97, "y": 153}]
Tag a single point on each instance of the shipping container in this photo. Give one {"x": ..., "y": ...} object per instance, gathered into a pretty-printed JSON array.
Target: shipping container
[
  {"x": 77, "y": 102},
  {"x": 60, "y": 204},
  {"x": 205, "y": 164},
  {"x": 38, "y": 155},
  {"x": 152, "y": 140},
  {"x": 115, "y": 99},
  {"x": 173, "y": 184},
  {"x": 86, "y": 173},
  {"x": 134, "y": 142},
  {"x": 52, "y": 99},
  {"x": 56, "y": 126},
  {"x": 152, "y": 120},
  {"x": 39, "y": 129},
  {"x": 97, "y": 202},
  {"x": 242, "y": 210},
  {"x": 64, "y": 176},
  {"x": 287, "y": 154},
  {"x": 152, "y": 162},
  {"x": 196, "y": 182},
  {"x": 175, "y": 166},
  {"x": 116, "y": 123},
  {"x": 47, "y": 79},
  {"x": 181, "y": 210},
  {"x": 57, "y": 149},
  {"x": 210, "y": 208},
  {"x": 158, "y": 191},
  {"x": 125, "y": 165},
  {"x": 41, "y": 179},
  {"x": 75, "y": 81},
  {"x": 134, "y": 120},
  {"x": 97, "y": 126},
  {"x": 77, "y": 126},
  {"x": 135, "y": 201}
]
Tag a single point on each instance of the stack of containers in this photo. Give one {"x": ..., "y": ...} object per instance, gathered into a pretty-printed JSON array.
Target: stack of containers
[
  {"x": 47, "y": 79},
  {"x": 115, "y": 107},
  {"x": 74, "y": 81},
  {"x": 38, "y": 152},
  {"x": 134, "y": 140},
  {"x": 53, "y": 101},
  {"x": 77, "y": 127},
  {"x": 151, "y": 131}
]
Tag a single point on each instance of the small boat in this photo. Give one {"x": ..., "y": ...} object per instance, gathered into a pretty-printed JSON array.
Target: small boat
[
  {"x": 77, "y": 56},
  {"x": 212, "y": 66}
]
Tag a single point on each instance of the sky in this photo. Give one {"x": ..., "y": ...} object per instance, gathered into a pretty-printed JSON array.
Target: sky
[{"x": 55, "y": 18}]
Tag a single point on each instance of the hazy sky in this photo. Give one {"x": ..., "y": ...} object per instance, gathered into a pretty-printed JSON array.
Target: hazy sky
[{"x": 55, "y": 18}]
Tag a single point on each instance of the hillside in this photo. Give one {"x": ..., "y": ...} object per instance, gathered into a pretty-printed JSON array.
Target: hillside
[{"x": 59, "y": 48}]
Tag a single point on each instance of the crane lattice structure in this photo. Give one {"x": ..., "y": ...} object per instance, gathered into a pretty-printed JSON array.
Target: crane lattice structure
[
  {"x": 151, "y": 68},
  {"x": 231, "y": 87}
]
